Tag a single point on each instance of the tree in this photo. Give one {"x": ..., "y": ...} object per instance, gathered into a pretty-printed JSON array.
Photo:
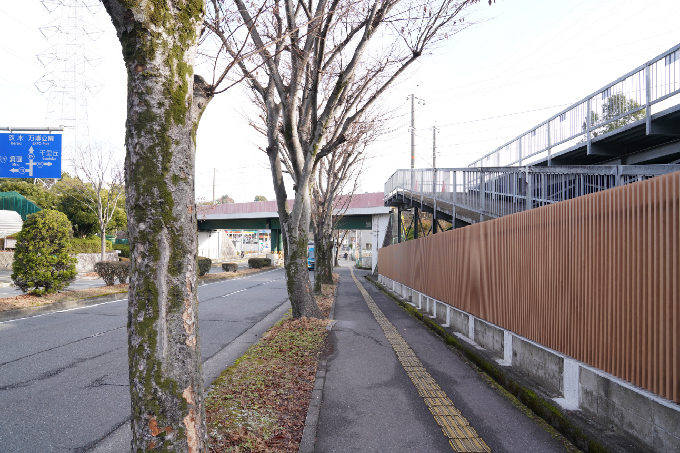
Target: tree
[
  {"x": 334, "y": 173},
  {"x": 97, "y": 185},
  {"x": 616, "y": 105},
  {"x": 84, "y": 221},
  {"x": 43, "y": 198},
  {"x": 224, "y": 199},
  {"x": 41, "y": 260},
  {"x": 260, "y": 198},
  {"x": 328, "y": 64},
  {"x": 165, "y": 102}
]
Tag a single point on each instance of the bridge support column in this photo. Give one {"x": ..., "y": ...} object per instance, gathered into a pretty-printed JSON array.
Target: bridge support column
[
  {"x": 276, "y": 241},
  {"x": 434, "y": 218},
  {"x": 416, "y": 222},
  {"x": 399, "y": 225}
]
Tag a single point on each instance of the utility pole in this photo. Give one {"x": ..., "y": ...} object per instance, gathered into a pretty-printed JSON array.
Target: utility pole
[
  {"x": 434, "y": 177},
  {"x": 434, "y": 147},
  {"x": 413, "y": 131},
  {"x": 213, "y": 186}
]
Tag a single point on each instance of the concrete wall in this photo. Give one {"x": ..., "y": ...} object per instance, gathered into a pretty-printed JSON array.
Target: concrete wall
[
  {"x": 85, "y": 260},
  {"x": 215, "y": 244},
  {"x": 6, "y": 259},
  {"x": 651, "y": 419},
  {"x": 378, "y": 230}
]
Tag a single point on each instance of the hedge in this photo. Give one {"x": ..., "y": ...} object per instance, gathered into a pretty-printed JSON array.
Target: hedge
[
  {"x": 112, "y": 270},
  {"x": 204, "y": 265},
  {"x": 88, "y": 245},
  {"x": 256, "y": 263},
  {"x": 229, "y": 267}
]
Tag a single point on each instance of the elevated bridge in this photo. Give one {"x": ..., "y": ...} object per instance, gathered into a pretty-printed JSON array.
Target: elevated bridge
[
  {"x": 614, "y": 125},
  {"x": 607, "y": 139},
  {"x": 365, "y": 211},
  {"x": 465, "y": 196}
]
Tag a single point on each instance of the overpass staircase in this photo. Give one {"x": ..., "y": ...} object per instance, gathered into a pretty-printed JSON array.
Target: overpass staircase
[{"x": 469, "y": 195}]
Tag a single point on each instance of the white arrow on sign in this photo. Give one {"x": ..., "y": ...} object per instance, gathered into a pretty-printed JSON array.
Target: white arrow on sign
[{"x": 14, "y": 170}]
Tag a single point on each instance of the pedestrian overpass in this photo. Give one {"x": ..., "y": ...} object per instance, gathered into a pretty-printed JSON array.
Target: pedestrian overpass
[
  {"x": 580, "y": 295},
  {"x": 365, "y": 211},
  {"x": 608, "y": 139}
]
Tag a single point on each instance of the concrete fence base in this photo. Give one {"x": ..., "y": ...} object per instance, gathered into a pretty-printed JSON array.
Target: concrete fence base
[{"x": 574, "y": 385}]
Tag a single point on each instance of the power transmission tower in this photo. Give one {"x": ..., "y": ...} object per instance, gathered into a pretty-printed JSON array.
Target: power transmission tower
[{"x": 68, "y": 82}]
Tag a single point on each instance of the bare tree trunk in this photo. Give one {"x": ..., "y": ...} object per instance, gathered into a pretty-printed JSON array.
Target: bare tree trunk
[
  {"x": 159, "y": 41},
  {"x": 297, "y": 277},
  {"x": 323, "y": 254},
  {"x": 102, "y": 232}
]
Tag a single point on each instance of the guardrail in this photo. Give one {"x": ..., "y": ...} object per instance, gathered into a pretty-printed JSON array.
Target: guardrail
[
  {"x": 499, "y": 191},
  {"x": 627, "y": 99}
]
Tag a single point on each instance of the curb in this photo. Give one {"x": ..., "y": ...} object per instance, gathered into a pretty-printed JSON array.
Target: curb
[{"x": 312, "y": 419}]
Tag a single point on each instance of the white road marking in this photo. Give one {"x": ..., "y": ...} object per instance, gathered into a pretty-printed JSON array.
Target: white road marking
[{"x": 119, "y": 300}]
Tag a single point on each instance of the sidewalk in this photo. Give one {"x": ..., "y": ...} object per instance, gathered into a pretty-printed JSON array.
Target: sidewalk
[{"x": 376, "y": 395}]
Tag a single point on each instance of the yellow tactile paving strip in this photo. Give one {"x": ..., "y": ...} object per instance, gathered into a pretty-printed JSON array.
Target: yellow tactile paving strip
[{"x": 462, "y": 437}]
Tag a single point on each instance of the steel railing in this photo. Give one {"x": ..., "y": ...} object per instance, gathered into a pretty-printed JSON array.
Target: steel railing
[
  {"x": 499, "y": 191},
  {"x": 595, "y": 278},
  {"x": 621, "y": 102}
]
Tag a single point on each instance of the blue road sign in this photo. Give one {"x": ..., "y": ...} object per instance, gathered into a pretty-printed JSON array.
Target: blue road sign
[{"x": 30, "y": 155}]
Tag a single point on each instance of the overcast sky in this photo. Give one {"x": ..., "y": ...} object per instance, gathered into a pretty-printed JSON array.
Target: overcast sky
[{"x": 523, "y": 61}]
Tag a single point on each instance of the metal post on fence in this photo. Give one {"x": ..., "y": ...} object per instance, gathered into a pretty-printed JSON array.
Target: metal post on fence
[
  {"x": 549, "y": 146},
  {"x": 588, "y": 127},
  {"x": 530, "y": 189},
  {"x": 519, "y": 145},
  {"x": 482, "y": 195},
  {"x": 648, "y": 97}
]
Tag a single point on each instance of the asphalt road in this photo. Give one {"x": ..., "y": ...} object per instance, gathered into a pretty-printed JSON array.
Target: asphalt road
[{"x": 64, "y": 376}]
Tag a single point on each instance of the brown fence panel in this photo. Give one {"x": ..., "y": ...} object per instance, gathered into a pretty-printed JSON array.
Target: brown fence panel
[{"x": 596, "y": 278}]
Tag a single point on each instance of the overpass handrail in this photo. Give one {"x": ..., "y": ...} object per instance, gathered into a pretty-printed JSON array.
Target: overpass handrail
[
  {"x": 498, "y": 191},
  {"x": 625, "y": 100}
]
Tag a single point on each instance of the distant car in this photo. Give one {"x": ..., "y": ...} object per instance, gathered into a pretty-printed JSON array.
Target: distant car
[{"x": 310, "y": 257}]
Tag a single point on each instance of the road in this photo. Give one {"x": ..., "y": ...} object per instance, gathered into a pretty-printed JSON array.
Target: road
[{"x": 64, "y": 376}]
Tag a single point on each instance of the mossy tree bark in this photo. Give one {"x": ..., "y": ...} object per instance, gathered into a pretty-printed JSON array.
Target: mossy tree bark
[
  {"x": 323, "y": 254},
  {"x": 159, "y": 40}
]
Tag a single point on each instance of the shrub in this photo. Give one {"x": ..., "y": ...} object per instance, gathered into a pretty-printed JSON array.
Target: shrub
[
  {"x": 204, "y": 265},
  {"x": 124, "y": 250},
  {"x": 229, "y": 267},
  {"x": 122, "y": 271},
  {"x": 112, "y": 270},
  {"x": 41, "y": 261},
  {"x": 255, "y": 263},
  {"x": 88, "y": 245},
  {"x": 267, "y": 261}
]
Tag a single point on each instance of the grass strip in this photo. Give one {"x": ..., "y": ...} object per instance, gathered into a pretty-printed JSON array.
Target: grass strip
[{"x": 259, "y": 404}]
